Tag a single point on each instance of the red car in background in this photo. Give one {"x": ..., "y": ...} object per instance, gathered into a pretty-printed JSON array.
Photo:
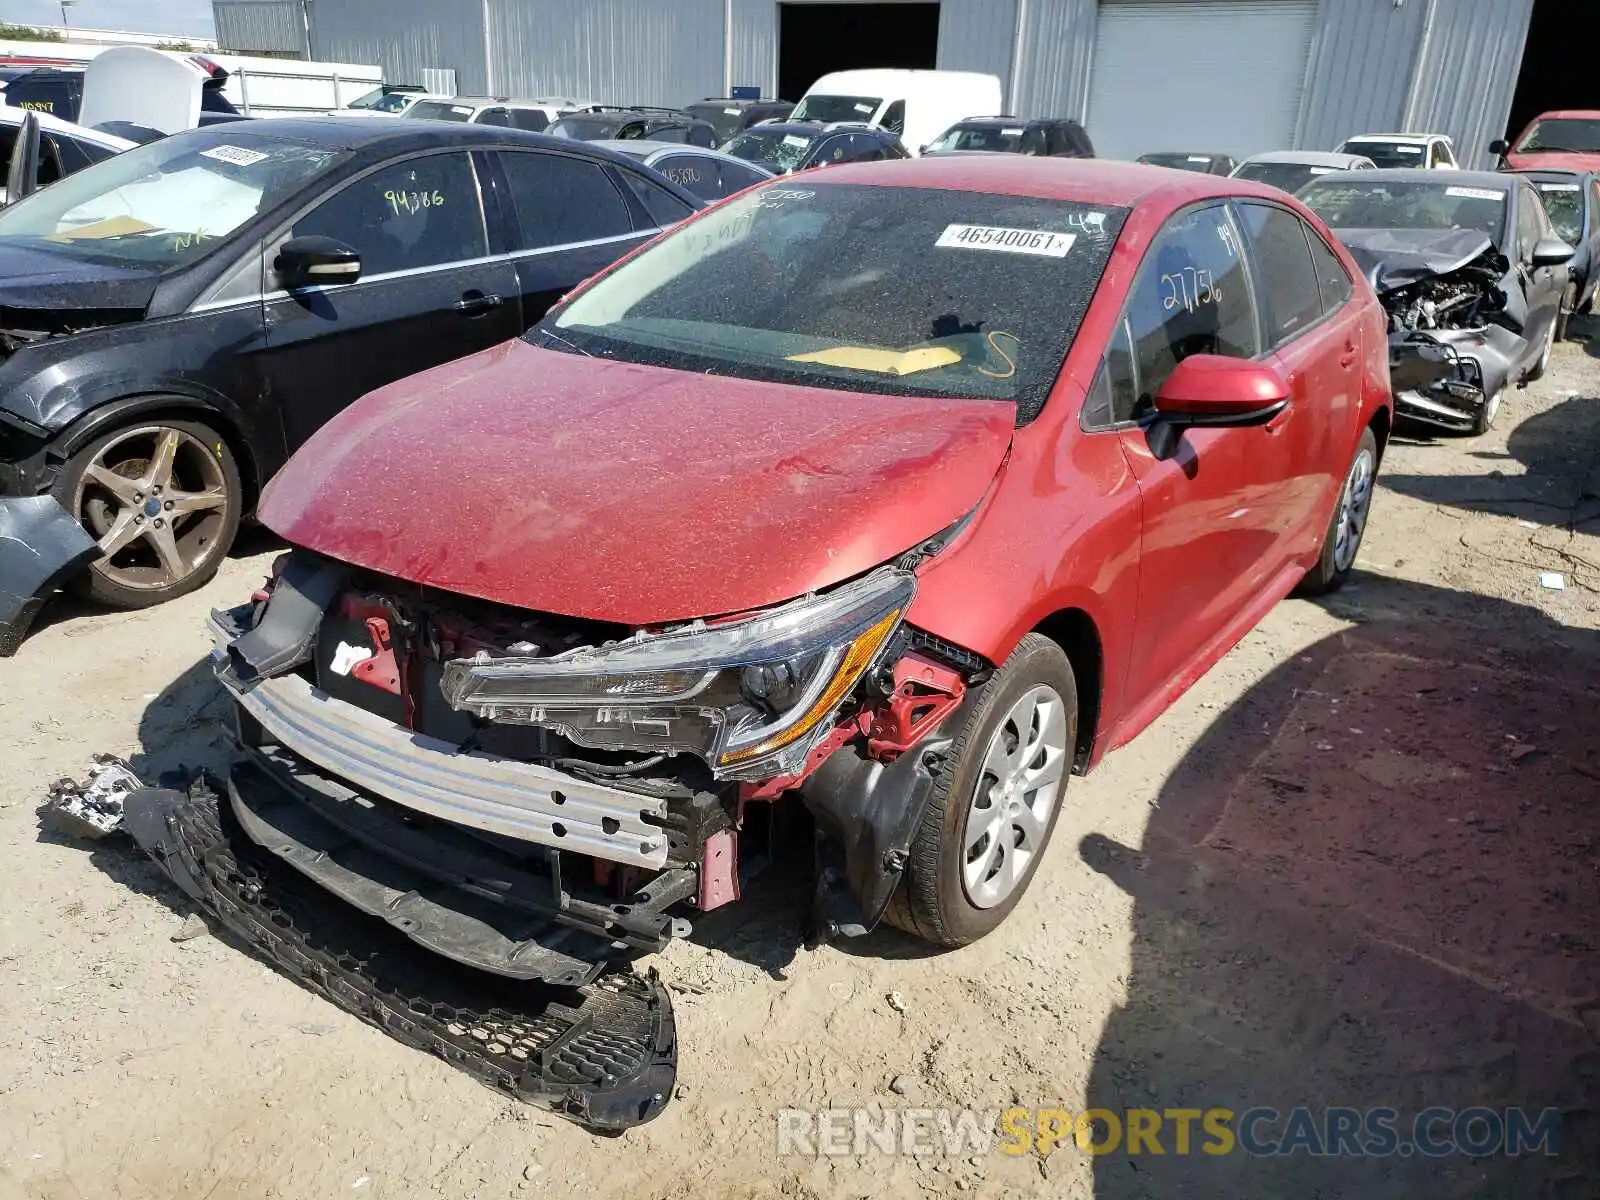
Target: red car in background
[
  {"x": 906, "y": 491},
  {"x": 1562, "y": 140}
]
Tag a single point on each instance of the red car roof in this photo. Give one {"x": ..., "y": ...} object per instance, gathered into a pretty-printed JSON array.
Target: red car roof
[
  {"x": 1082, "y": 180},
  {"x": 1582, "y": 114}
]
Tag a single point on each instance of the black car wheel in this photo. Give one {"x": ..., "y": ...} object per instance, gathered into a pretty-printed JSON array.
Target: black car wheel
[
  {"x": 163, "y": 500},
  {"x": 992, "y": 812}
]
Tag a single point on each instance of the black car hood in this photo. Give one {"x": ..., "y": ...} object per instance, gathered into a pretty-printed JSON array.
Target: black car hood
[
  {"x": 1394, "y": 258},
  {"x": 46, "y": 291}
]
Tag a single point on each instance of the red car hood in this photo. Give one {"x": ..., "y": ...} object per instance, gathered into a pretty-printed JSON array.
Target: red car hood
[
  {"x": 1553, "y": 161},
  {"x": 627, "y": 493}
]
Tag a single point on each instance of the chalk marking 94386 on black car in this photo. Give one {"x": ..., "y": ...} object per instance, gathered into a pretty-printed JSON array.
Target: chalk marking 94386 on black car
[{"x": 177, "y": 319}]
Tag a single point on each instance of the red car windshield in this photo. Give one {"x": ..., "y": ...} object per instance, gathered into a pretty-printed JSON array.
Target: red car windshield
[
  {"x": 1574, "y": 135},
  {"x": 871, "y": 289}
]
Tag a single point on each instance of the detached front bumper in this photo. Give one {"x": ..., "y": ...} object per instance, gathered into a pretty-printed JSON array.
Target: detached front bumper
[
  {"x": 41, "y": 546},
  {"x": 604, "y": 1054}
]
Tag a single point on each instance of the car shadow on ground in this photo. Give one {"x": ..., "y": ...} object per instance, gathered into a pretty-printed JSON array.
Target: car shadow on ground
[
  {"x": 1556, "y": 479},
  {"x": 1372, "y": 882}
]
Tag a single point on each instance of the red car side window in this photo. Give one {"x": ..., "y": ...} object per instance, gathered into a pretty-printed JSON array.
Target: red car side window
[
  {"x": 1192, "y": 296},
  {"x": 1332, "y": 278},
  {"x": 1292, "y": 296}
]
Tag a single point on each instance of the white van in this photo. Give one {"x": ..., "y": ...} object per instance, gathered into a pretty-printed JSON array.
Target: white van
[{"x": 918, "y": 105}]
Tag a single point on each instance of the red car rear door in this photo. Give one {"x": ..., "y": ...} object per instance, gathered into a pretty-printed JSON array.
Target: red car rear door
[{"x": 1317, "y": 345}]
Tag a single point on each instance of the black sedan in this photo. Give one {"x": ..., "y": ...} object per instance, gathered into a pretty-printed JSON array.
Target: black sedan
[
  {"x": 729, "y": 116},
  {"x": 175, "y": 320},
  {"x": 1054, "y": 137},
  {"x": 785, "y": 146},
  {"x": 604, "y": 122},
  {"x": 1572, "y": 202},
  {"x": 1189, "y": 160}
]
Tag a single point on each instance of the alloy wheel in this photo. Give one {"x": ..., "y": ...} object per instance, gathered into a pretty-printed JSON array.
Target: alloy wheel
[
  {"x": 1355, "y": 503},
  {"x": 1018, "y": 788},
  {"x": 156, "y": 500}
]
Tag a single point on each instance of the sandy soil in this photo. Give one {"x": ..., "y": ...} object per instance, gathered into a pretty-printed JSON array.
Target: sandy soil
[{"x": 1355, "y": 865}]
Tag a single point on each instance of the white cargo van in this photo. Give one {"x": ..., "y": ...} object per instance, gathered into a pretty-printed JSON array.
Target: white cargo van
[{"x": 918, "y": 105}]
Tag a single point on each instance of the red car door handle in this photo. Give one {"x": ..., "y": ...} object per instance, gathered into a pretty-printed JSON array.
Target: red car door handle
[
  {"x": 474, "y": 303},
  {"x": 1348, "y": 358}
]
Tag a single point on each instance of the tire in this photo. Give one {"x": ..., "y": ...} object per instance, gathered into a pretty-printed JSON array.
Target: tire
[
  {"x": 174, "y": 522},
  {"x": 1338, "y": 557},
  {"x": 1569, "y": 305},
  {"x": 933, "y": 901},
  {"x": 1484, "y": 421}
]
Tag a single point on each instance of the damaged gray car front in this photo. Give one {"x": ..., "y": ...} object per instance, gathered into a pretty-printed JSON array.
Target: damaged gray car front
[{"x": 1471, "y": 276}]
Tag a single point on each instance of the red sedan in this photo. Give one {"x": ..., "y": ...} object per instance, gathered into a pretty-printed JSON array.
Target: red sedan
[
  {"x": 906, "y": 490},
  {"x": 1562, "y": 140}
]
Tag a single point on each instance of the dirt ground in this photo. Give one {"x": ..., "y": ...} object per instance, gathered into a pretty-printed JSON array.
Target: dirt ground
[{"x": 1355, "y": 865}]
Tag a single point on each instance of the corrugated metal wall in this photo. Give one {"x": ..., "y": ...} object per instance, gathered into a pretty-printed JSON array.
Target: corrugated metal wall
[
  {"x": 404, "y": 37},
  {"x": 1056, "y": 42},
  {"x": 753, "y": 45},
  {"x": 251, "y": 26},
  {"x": 611, "y": 51},
  {"x": 979, "y": 35},
  {"x": 1467, "y": 72},
  {"x": 1361, "y": 62}
]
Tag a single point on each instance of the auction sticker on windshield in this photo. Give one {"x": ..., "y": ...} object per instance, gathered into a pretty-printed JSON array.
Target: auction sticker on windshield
[
  {"x": 1558, "y": 187},
  {"x": 237, "y": 155},
  {"x": 1013, "y": 241},
  {"x": 1472, "y": 193}
]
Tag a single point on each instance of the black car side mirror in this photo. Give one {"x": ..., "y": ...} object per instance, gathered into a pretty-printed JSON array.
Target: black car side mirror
[
  {"x": 1499, "y": 147},
  {"x": 1550, "y": 252},
  {"x": 313, "y": 260}
]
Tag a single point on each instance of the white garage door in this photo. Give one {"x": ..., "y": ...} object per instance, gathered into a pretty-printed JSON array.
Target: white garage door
[{"x": 1214, "y": 75}]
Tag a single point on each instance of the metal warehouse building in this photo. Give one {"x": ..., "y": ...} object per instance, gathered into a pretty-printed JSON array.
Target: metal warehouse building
[{"x": 1234, "y": 76}]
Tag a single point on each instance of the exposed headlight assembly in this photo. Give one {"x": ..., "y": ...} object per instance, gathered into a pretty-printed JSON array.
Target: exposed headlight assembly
[{"x": 751, "y": 696}]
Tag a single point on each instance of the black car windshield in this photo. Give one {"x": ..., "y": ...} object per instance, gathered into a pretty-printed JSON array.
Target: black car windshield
[
  {"x": 1389, "y": 154},
  {"x": 1563, "y": 203},
  {"x": 1290, "y": 176},
  {"x": 778, "y": 150},
  {"x": 441, "y": 110},
  {"x": 167, "y": 202},
  {"x": 724, "y": 119},
  {"x": 585, "y": 129},
  {"x": 888, "y": 290},
  {"x": 1389, "y": 204},
  {"x": 836, "y": 108},
  {"x": 1575, "y": 134},
  {"x": 980, "y": 137}
]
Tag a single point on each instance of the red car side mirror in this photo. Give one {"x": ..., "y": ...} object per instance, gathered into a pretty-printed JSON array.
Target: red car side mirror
[{"x": 1211, "y": 389}]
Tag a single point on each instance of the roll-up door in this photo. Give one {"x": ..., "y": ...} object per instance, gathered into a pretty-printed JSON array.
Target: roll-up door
[{"x": 1214, "y": 75}]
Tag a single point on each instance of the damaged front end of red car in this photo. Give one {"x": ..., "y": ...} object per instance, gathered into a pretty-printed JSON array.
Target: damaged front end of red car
[{"x": 541, "y": 798}]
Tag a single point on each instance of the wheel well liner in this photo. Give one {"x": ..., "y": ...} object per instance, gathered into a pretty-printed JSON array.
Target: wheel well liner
[
  {"x": 1382, "y": 421},
  {"x": 1074, "y": 631},
  {"x": 131, "y": 409}
]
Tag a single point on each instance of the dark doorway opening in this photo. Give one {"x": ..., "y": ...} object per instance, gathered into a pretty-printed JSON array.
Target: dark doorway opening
[
  {"x": 814, "y": 39},
  {"x": 1556, "y": 70}
]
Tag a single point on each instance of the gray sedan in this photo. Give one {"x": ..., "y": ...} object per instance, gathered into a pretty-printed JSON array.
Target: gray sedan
[{"x": 709, "y": 174}]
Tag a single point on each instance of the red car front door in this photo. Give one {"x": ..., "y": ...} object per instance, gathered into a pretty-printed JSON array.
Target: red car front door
[{"x": 1210, "y": 541}]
